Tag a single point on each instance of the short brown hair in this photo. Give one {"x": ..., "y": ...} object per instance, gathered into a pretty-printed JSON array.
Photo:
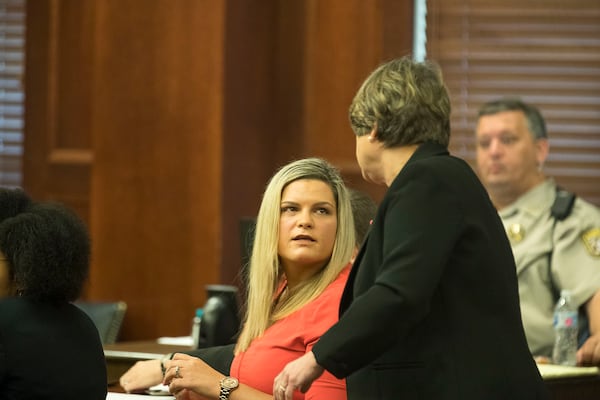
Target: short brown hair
[{"x": 406, "y": 100}]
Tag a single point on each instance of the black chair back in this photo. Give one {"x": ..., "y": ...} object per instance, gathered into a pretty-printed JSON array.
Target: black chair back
[{"x": 107, "y": 316}]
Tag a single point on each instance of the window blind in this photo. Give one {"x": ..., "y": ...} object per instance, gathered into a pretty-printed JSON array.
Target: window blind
[
  {"x": 546, "y": 52},
  {"x": 12, "y": 45}
]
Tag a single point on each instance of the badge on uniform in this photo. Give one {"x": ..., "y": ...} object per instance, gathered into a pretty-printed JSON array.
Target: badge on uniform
[
  {"x": 516, "y": 233},
  {"x": 591, "y": 239}
]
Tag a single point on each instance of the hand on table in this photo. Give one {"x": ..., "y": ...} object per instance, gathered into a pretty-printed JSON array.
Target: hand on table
[
  {"x": 589, "y": 353},
  {"x": 186, "y": 373},
  {"x": 141, "y": 376}
]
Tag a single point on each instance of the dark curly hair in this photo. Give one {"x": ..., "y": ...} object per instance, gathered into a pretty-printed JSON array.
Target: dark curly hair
[
  {"x": 46, "y": 246},
  {"x": 12, "y": 202}
]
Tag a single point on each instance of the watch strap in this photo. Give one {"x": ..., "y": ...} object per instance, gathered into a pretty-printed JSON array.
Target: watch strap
[
  {"x": 227, "y": 384},
  {"x": 224, "y": 393}
]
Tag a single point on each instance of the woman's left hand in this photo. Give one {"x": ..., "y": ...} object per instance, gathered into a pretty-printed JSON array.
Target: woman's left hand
[
  {"x": 191, "y": 373},
  {"x": 297, "y": 375}
]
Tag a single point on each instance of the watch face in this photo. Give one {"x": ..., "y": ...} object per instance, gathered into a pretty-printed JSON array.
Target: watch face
[{"x": 229, "y": 383}]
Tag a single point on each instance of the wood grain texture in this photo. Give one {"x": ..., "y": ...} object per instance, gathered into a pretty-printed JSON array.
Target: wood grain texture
[{"x": 162, "y": 121}]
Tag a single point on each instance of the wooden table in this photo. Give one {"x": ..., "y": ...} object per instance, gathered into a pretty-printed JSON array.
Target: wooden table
[
  {"x": 121, "y": 356},
  {"x": 574, "y": 388}
]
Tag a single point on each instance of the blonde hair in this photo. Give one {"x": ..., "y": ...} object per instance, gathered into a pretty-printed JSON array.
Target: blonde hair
[{"x": 266, "y": 274}]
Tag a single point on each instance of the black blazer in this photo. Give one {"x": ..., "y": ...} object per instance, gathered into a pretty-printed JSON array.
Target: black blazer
[
  {"x": 217, "y": 357},
  {"x": 431, "y": 308},
  {"x": 49, "y": 352}
]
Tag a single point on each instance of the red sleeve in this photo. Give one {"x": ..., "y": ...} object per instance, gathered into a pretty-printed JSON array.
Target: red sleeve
[{"x": 325, "y": 314}]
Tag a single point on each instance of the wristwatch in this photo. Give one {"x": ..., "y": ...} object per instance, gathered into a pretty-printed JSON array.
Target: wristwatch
[
  {"x": 228, "y": 385},
  {"x": 163, "y": 360}
]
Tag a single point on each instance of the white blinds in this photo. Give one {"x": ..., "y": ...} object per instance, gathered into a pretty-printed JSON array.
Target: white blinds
[
  {"x": 545, "y": 51},
  {"x": 12, "y": 48}
]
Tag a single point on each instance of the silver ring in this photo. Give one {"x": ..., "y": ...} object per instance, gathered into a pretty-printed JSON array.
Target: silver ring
[{"x": 177, "y": 372}]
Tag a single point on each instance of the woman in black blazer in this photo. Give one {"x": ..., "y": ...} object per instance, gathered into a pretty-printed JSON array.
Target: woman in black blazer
[{"x": 431, "y": 308}]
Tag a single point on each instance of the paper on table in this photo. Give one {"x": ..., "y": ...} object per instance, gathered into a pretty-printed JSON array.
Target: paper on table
[
  {"x": 127, "y": 396},
  {"x": 159, "y": 389},
  {"x": 177, "y": 340},
  {"x": 552, "y": 371}
]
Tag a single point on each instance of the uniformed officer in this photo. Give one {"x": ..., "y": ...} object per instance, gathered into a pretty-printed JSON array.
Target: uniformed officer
[{"x": 553, "y": 251}]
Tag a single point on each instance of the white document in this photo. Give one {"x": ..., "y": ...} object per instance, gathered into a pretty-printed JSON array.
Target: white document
[
  {"x": 176, "y": 340},
  {"x": 551, "y": 371}
]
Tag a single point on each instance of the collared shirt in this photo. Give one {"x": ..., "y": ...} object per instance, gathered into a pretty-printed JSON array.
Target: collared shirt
[{"x": 571, "y": 246}]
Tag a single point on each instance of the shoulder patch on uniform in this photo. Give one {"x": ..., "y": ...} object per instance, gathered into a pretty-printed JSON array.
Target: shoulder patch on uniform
[{"x": 591, "y": 239}]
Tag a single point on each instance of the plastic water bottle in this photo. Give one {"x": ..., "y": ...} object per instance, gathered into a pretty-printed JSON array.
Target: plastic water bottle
[
  {"x": 196, "y": 328},
  {"x": 565, "y": 331}
]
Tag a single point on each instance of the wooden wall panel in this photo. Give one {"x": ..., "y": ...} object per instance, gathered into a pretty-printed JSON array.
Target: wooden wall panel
[
  {"x": 249, "y": 130},
  {"x": 345, "y": 41},
  {"x": 178, "y": 115},
  {"x": 344, "y": 44},
  {"x": 58, "y": 100},
  {"x": 158, "y": 134},
  {"x": 288, "y": 116}
]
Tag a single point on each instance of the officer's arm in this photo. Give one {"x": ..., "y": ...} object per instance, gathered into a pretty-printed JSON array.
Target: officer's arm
[
  {"x": 593, "y": 312},
  {"x": 589, "y": 353}
]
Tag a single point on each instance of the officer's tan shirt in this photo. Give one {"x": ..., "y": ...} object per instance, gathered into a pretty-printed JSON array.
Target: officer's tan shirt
[{"x": 575, "y": 259}]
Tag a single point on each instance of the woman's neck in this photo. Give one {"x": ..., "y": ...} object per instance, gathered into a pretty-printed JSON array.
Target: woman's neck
[{"x": 393, "y": 159}]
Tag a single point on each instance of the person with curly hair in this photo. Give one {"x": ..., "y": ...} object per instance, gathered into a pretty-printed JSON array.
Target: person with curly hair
[{"x": 49, "y": 348}]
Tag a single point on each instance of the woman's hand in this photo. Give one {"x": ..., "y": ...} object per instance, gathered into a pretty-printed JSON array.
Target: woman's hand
[
  {"x": 186, "y": 373},
  {"x": 141, "y": 376},
  {"x": 297, "y": 375}
]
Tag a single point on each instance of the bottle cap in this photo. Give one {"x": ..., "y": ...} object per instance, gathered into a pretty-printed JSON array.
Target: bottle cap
[{"x": 199, "y": 312}]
